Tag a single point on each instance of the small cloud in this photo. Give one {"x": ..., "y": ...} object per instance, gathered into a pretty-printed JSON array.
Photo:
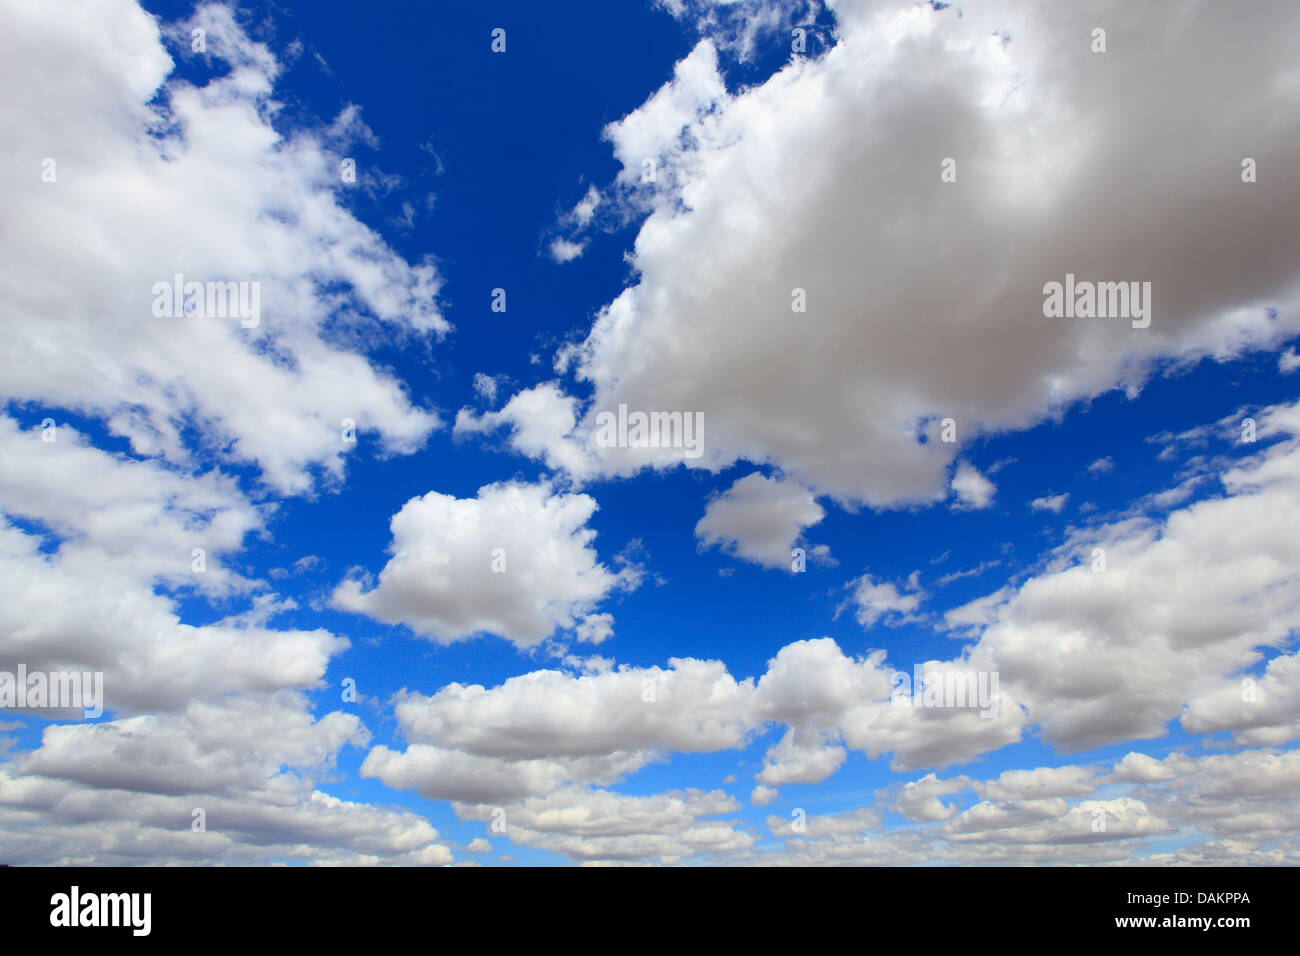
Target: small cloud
[
  {"x": 562, "y": 250},
  {"x": 820, "y": 554},
  {"x": 574, "y": 222},
  {"x": 881, "y": 599},
  {"x": 1289, "y": 361},
  {"x": 762, "y": 796},
  {"x": 1102, "y": 465},
  {"x": 586, "y": 207},
  {"x": 967, "y": 572},
  {"x": 974, "y": 491},
  {"x": 1052, "y": 503},
  {"x": 595, "y": 628},
  {"x": 407, "y": 219},
  {"x": 486, "y": 387},
  {"x": 301, "y": 566},
  {"x": 428, "y": 147}
]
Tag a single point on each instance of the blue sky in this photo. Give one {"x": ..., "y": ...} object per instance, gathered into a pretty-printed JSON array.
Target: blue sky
[{"x": 470, "y": 164}]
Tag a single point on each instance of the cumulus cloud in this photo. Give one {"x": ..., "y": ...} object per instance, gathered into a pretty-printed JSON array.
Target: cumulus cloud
[
  {"x": 564, "y": 250},
  {"x": 575, "y": 222},
  {"x": 691, "y": 706},
  {"x": 1088, "y": 657},
  {"x": 800, "y": 757},
  {"x": 138, "y": 517},
  {"x": 92, "y": 616},
  {"x": 548, "y": 729},
  {"x": 485, "y": 386},
  {"x": 759, "y": 519},
  {"x": 1240, "y": 807},
  {"x": 126, "y": 792},
  {"x": 606, "y": 827},
  {"x": 757, "y": 200},
  {"x": 738, "y": 26},
  {"x": 1165, "y": 627},
  {"x": 198, "y": 183},
  {"x": 973, "y": 490},
  {"x": 875, "y": 600},
  {"x": 924, "y": 298},
  {"x": 514, "y": 561},
  {"x": 137, "y": 176}
]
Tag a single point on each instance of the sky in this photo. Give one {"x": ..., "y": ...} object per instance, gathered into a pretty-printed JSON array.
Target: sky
[{"x": 370, "y": 578}]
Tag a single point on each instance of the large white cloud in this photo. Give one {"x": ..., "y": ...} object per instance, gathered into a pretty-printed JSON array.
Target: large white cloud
[
  {"x": 137, "y": 517},
  {"x": 122, "y": 177},
  {"x": 1236, "y": 809},
  {"x": 197, "y": 182},
  {"x": 126, "y": 792},
  {"x": 1166, "y": 627},
  {"x": 77, "y": 612},
  {"x": 924, "y": 297}
]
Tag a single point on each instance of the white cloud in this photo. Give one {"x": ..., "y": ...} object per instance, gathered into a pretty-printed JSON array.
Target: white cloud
[
  {"x": 563, "y": 250},
  {"x": 600, "y": 826},
  {"x": 1089, "y": 658},
  {"x": 485, "y": 386},
  {"x": 139, "y": 518},
  {"x": 692, "y": 706},
  {"x": 586, "y": 207},
  {"x": 82, "y": 610},
  {"x": 125, "y": 792},
  {"x": 914, "y": 314},
  {"x": 759, "y": 519},
  {"x": 514, "y": 561},
  {"x": 800, "y": 757},
  {"x": 1180, "y": 611},
  {"x": 542, "y": 418},
  {"x": 739, "y": 26},
  {"x": 201, "y": 185},
  {"x": 973, "y": 490},
  {"x": 1052, "y": 503},
  {"x": 919, "y": 799},
  {"x": 575, "y": 222},
  {"x": 1237, "y": 808},
  {"x": 881, "y": 599}
]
